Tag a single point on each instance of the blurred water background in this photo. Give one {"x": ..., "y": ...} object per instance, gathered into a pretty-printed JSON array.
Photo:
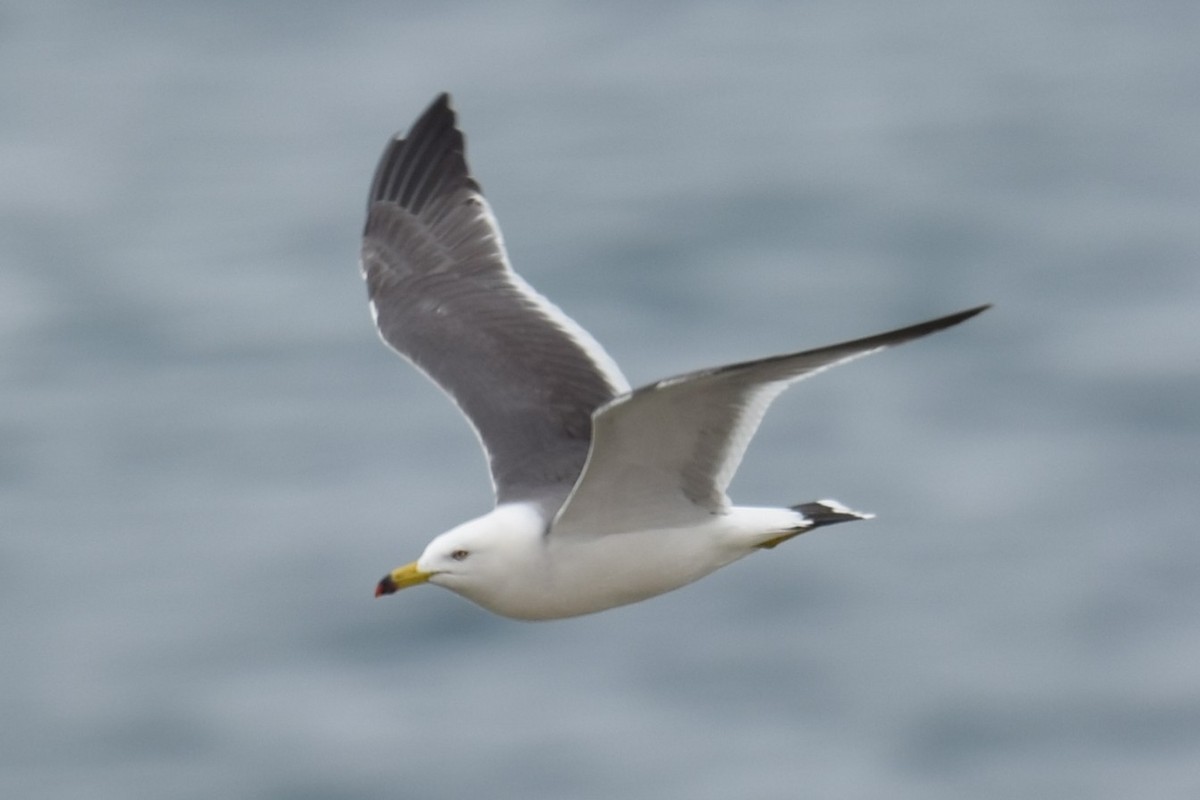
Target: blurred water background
[{"x": 207, "y": 459}]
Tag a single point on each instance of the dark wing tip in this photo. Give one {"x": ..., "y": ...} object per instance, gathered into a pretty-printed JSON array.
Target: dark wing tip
[
  {"x": 820, "y": 357},
  {"x": 963, "y": 316},
  {"x": 907, "y": 334},
  {"x": 440, "y": 108},
  {"x": 426, "y": 161},
  {"x": 934, "y": 325}
]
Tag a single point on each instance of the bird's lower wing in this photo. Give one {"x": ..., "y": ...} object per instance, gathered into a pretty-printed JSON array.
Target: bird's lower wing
[{"x": 663, "y": 455}]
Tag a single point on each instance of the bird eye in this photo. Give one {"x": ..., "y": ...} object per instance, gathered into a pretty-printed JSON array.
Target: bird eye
[{"x": 459, "y": 555}]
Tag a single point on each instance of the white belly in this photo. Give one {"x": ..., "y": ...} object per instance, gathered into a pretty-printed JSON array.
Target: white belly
[{"x": 582, "y": 575}]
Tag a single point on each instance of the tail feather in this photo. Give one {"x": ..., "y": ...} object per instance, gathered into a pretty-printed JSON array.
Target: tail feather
[
  {"x": 828, "y": 512},
  {"x": 816, "y": 514}
]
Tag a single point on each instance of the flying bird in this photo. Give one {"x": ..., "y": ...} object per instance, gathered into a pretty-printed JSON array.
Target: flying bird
[{"x": 605, "y": 495}]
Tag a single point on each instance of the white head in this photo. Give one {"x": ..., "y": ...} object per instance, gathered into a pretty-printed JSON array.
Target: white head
[{"x": 483, "y": 560}]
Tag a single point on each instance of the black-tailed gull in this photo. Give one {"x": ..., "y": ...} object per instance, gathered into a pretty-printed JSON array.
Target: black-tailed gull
[{"x": 604, "y": 496}]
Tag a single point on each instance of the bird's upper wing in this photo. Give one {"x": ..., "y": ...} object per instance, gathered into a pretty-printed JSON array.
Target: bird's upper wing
[
  {"x": 663, "y": 455},
  {"x": 444, "y": 296}
]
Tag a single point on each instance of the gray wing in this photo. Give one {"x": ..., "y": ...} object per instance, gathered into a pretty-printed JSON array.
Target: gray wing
[
  {"x": 663, "y": 455},
  {"x": 444, "y": 296}
]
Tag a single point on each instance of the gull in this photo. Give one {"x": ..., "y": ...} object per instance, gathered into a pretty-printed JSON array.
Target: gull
[{"x": 605, "y": 495}]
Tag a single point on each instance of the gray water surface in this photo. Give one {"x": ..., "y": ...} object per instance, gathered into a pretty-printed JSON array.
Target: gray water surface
[{"x": 207, "y": 459}]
